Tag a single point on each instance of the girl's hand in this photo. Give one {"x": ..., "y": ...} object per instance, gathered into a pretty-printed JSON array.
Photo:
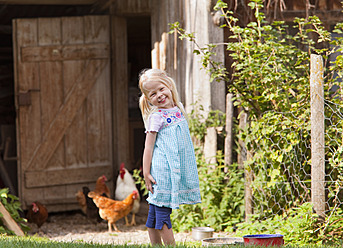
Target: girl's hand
[{"x": 149, "y": 181}]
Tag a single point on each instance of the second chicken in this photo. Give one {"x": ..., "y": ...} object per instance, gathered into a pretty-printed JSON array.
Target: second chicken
[{"x": 112, "y": 210}]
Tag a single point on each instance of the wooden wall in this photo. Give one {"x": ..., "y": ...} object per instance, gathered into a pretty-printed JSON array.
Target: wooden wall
[
  {"x": 177, "y": 57},
  {"x": 167, "y": 50},
  {"x": 328, "y": 11}
]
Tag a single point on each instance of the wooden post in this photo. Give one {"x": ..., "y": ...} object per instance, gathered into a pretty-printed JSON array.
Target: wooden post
[
  {"x": 244, "y": 156},
  {"x": 242, "y": 149},
  {"x": 155, "y": 56},
  {"x": 317, "y": 135},
  {"x": 210, "y": 146},
  {"x": 228, "y": 129},
  {"x": 248, "y": 194},
  {"x": 9, "y": 222},
  {"x": 119, "y": 55}
]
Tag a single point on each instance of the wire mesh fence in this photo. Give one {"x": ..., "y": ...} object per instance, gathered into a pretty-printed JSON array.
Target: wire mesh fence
[{"x": 281, "y": 161}]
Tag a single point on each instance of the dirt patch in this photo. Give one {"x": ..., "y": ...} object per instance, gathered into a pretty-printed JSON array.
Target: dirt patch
[{"x": 74, "y": 226}]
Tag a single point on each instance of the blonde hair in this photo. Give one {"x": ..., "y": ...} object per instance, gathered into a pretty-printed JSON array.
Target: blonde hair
[{"x": 153, "y": 75}]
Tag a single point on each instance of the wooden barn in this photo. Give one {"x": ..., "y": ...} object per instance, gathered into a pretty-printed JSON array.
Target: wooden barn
[
  {"x": 69, "y": 74},
  {"x": 69, "y": 98}
]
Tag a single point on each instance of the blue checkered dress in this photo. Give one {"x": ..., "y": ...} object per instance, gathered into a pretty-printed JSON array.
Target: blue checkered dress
[{"x": 173, "y": 163}]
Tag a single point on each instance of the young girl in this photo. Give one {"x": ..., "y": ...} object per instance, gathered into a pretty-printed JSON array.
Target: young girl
[{"x": 169, "y": 165}]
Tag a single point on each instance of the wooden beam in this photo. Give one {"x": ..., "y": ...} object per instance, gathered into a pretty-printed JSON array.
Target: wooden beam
[
  {"x": 131, "y": 7},
  {"x": 61, "y": 177},
  {"x": 49, "y": 2},
  {"x": 9, "y": 222},
  {"x": 120, "y": 85},
  {"x": 67, "y": 52},
  {"x": 323, "y": 15}
]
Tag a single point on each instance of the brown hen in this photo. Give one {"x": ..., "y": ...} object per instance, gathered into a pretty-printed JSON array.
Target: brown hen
[
  {"x": 87, "y": 206},
  {"x": 101, "y": 187},
  {"x": 81, "y": 199},
  {"x": 112, "y": 210},
  {"x": 37, "y": 213}
]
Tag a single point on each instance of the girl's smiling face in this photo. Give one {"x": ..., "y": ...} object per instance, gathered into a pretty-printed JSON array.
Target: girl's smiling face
[{"x": 159, "y": 95}]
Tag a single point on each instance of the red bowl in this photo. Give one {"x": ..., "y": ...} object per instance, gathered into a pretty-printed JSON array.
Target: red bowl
[{"x": 264, "y": 239}]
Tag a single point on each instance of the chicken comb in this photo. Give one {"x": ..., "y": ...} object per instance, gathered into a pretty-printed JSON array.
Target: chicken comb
[{"x": 122, "y": 165}]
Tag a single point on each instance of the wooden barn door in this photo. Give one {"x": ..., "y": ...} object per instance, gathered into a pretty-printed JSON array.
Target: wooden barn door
[{"x": 63, "y": 102}]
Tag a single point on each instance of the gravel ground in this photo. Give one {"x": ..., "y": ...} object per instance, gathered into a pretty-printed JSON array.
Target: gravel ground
[{"x": 74, "y": 226}]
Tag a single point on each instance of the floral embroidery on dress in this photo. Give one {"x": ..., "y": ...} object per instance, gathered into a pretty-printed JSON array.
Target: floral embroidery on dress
[{"x": 171, "y": 117}]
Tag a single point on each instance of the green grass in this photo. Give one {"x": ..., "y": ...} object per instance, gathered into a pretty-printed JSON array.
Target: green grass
[
  {"x": 35, "y": 242},
  {"x": 38, "y": 242}
]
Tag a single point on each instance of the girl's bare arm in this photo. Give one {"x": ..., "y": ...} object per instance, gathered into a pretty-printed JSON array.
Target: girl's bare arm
[{"x": 147, "y": 157}]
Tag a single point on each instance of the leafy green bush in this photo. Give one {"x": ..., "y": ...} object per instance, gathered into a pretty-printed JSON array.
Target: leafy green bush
[
  {"x": 13, "y": 206},
  {"x": 222, "y": 196},
  {"x": 299, "y": 226},
  {"x": 198, "y": 122}
]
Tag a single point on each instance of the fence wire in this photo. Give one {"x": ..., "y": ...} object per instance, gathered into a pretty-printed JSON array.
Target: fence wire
[{"x": 281, "y": 161}]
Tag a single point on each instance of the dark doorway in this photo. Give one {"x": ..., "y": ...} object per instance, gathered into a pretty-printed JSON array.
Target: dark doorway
[{"x": 139, "y": 58}]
